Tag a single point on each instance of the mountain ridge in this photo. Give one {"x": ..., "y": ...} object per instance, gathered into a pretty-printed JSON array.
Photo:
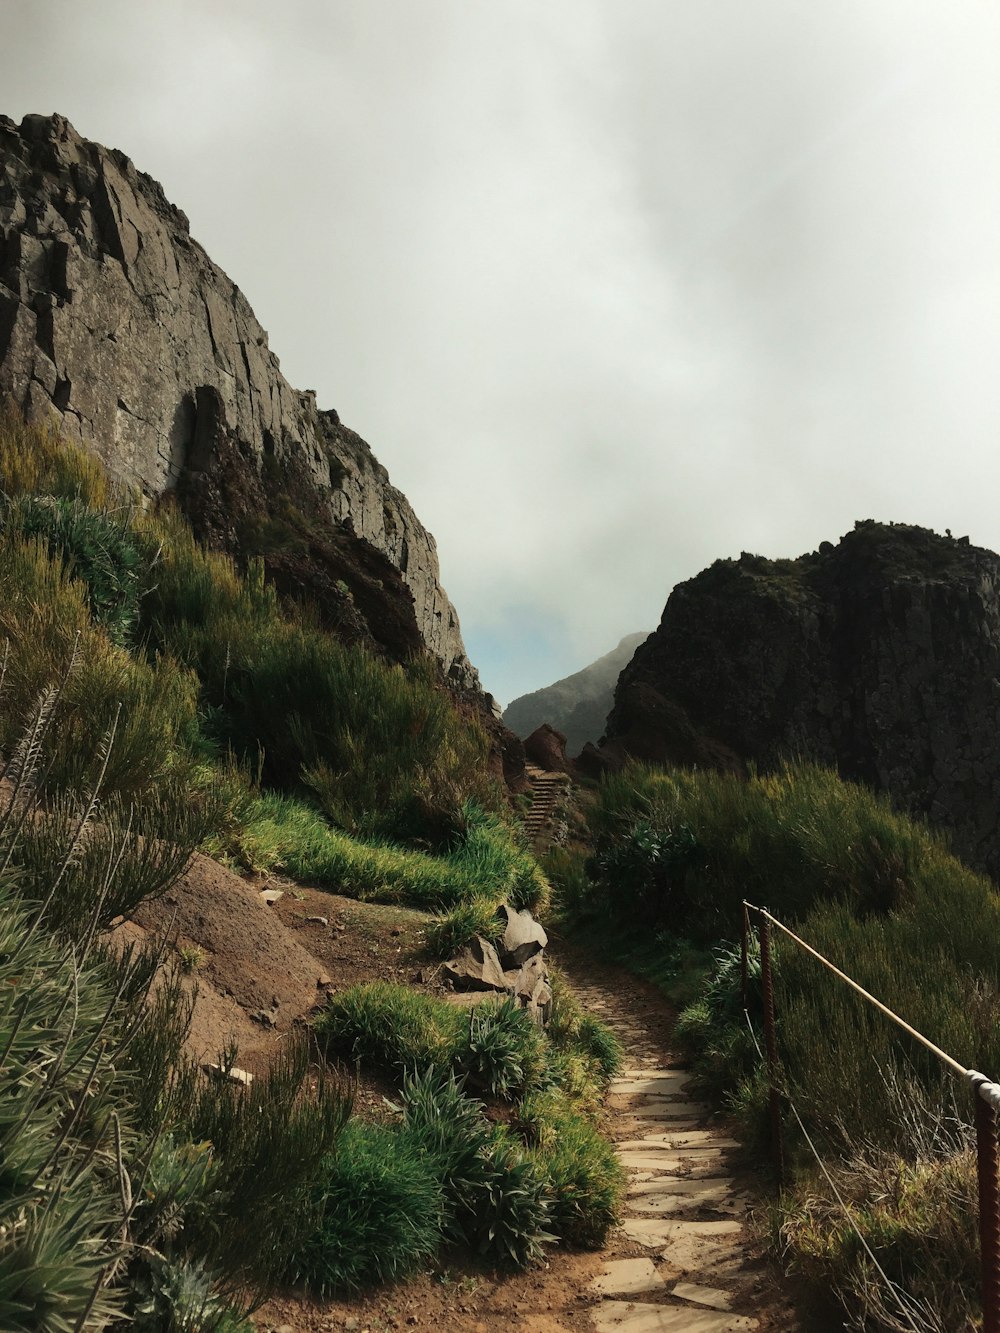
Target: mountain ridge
[{"x": 578, "y": 704}]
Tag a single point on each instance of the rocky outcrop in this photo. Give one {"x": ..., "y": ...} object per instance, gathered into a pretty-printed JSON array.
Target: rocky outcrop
[
  {"x": 116, "y": 324},
  {"x": 577, "y": 705},
  {"x": 879, "y": 656},
  {"x": 546, "y": 748}
]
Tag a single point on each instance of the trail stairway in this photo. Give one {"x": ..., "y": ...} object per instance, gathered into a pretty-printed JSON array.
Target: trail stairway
[
  {"x": 679, "y": 1262},
  {"x": 544, "y": 790}
]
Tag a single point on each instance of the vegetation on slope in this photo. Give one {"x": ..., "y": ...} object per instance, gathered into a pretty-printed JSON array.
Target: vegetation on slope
[
  {"x": 174, "y": 702},
  {"x": 675, "y": 853}
]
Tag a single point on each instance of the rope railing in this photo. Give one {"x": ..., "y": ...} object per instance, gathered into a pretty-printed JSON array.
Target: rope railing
[{"x": 986, "y": 1094}]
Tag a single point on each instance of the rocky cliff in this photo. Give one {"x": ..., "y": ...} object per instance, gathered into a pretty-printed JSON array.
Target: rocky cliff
[
  {"x": 115, "y": 322},
  {"x": 577, "y": 705},
  {"x": 879, "y": 656}
]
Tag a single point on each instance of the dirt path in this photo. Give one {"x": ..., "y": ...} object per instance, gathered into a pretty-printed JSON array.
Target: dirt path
[{"x": 681, "y": 1261}]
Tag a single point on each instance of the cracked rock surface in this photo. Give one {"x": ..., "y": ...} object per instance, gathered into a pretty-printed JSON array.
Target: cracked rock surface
[{"x": 116, "y": 323}]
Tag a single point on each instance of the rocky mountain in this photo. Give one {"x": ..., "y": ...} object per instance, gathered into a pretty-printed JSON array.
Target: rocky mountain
[
  {"x": 577, "y": 705},
  {"x": 879, "y": 656},
  {"x": 117, "y": 325}
]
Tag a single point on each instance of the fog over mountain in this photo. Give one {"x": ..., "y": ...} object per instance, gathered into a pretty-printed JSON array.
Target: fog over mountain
[{"x": 577, "y": 705}]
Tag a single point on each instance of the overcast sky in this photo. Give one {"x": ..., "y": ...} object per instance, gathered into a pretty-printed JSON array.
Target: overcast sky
[{"x": 612, "y": 287}]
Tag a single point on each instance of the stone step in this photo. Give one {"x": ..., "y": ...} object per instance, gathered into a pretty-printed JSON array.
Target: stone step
[
  {"x": 665, "y": 1143},
  {"x": 638, "y": 1317},
  {"x": 654, "y": 1232},
  {"x": 676, "y": 1164},
  {"x": 628, "y": 1277},
  {"x": 714, "y": 1297}
]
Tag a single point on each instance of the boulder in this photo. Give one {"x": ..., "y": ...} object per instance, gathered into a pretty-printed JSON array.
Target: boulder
[
  {"x": 546, "y": 747},
  {"x": 522, "y": 937},
  {"x": 477, "y": 967}
]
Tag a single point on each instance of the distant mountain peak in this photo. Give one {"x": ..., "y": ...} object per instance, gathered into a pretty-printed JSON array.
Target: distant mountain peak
[{"x": 578, "y": 704}]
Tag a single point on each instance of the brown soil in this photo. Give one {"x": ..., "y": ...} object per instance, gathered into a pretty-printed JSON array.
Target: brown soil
[{"x": 260, "y": 965}]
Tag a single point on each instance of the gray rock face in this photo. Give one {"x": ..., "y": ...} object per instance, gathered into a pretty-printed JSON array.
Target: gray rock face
[
  {"x": 879, "y": 657},
  {"x": 116, "y": 324},
  {"x": 577, "y": 705}
]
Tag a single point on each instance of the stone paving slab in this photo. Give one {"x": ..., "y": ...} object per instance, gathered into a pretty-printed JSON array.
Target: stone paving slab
[
  {"x": 664, "y": 1069},
  {"x": 655, "y": 1232},
  {"x": 714, "y": 1297},
  {"x": 674, "y": 1109},
  {"x": 629, "y": 1277},
  {"x": 689, "y": 1138},
  {"x": 636, "y": 1317},
  {"x": 707, "y": 1165},
  {"x": 662, "y": 1084},
  {"x": 705, "y": 1258},
  {"x": 720, "y": 1198},
  {"x": 665, "y": 1143},
  {"x": 657, "y": 1182}
]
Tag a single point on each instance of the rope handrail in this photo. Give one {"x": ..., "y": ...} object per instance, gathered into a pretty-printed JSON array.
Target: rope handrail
[
  {"x": 986, "y": 1097},
  {"x": 988, "y": 1090}
]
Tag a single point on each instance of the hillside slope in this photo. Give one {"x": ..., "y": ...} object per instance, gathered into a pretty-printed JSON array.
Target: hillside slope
[
  {"x": 577, "y": 705},
  {"x": 117, "y": 325}
]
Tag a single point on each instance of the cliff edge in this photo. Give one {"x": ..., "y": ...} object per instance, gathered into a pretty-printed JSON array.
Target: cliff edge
[
  {"x": 115, "y": 323},
  {"x": 879, "y": 656}
]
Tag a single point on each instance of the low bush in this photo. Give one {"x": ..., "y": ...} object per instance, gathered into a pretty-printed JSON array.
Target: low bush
[
  {"x": 492, "y": 1200},
  {"x": 585, "y": 1180},
  {"x": 495, "y": 1044},
  {"x": 97, "y": 547},
  {"x": 36, "y": 460},
  {"x": 62, "y": 1140},
  {"x": 447, "y": 935},
  {"x": 269, "y": 1142},
  {"x": 502, "y": 1050},
  {"x": 392, "y": 1026},
  {"x": 380, "y": 1205},
  {"x": 373, "y": 741},
  {"x": 791, "y": 839}
]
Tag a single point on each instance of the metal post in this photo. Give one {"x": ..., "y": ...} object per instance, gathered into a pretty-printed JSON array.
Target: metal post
[
  {"x": 771, "y": 1038},
  {"x": 989, "y": 1211},
  {"x": 744, "y": 948}
]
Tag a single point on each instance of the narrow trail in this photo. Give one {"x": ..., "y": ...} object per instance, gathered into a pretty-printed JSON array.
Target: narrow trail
[{"x": 680, "y": 1261}]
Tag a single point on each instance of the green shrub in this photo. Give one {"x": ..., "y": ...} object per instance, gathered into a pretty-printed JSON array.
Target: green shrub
[
  {"x": 45, "y": 621},
  {"x": 380, "y": 1209},
  {"x": 493, "y": 1201},
  {"x": 490, "y": 855},
  {"x": 180, "y": 1296},
  {"x": 61, "y": 1215},
  {"x": 502, "y": 1050},
  {"x": 514, "y": 1217},
  {"x": 447, "y": 935},
  {"x": 269, "y": 1142},
  {"x": 451, "y": 1130},
  {"x": 36, "y": 460},
  {"x": 96, "y": 547},
  {"x": 585, "y": 1180},
  {"x": 392, "y": 1026},
  {"x": 790, "y": 839},
  {"x": 379, "y": 745}
]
